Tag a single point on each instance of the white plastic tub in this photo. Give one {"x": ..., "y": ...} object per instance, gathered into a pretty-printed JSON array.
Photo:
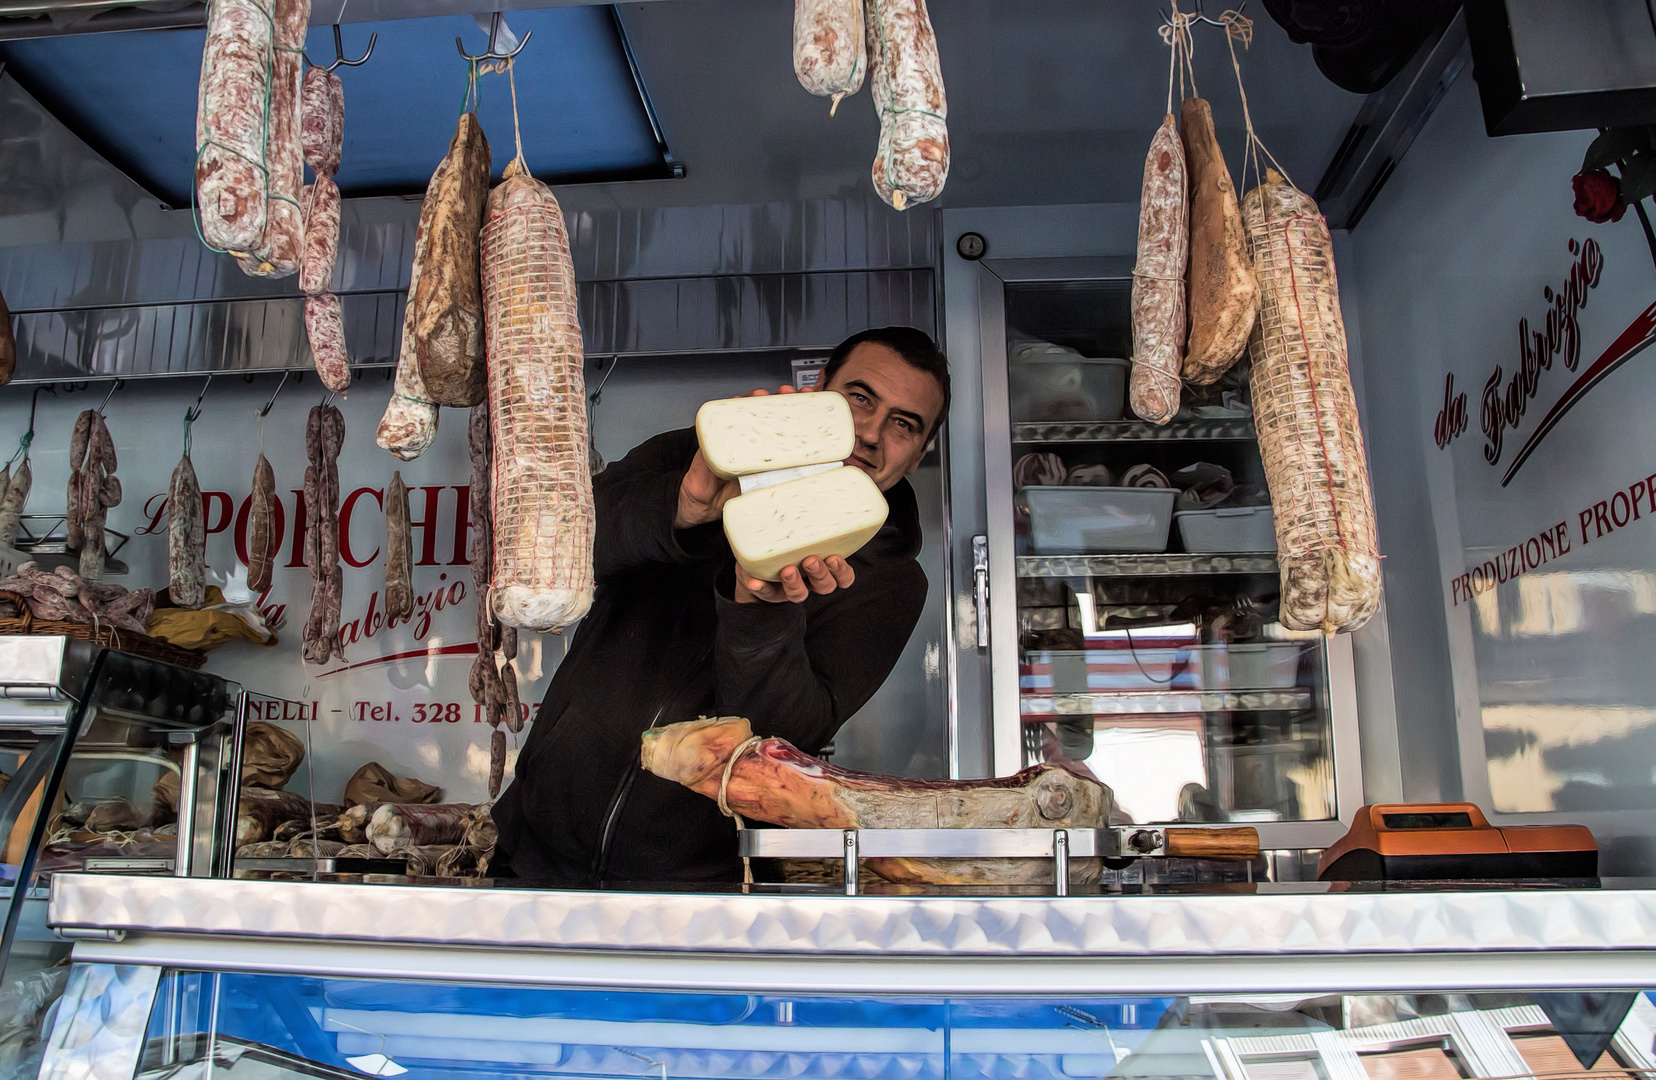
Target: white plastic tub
[
  {"x": 1229, "y": 528},
  {"x": 1098, "y": 520},
  {"x": 1048, "y": 383},
  {"x": 1263, "y": 666}
]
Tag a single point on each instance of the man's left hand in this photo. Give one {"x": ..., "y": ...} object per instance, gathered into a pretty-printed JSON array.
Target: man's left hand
[{"x": 814, "y": 575}]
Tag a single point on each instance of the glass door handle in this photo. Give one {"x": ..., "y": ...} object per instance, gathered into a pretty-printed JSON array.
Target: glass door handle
[{"x": 980, "y": 587}]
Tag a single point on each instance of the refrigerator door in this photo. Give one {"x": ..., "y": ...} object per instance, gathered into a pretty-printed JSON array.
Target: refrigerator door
[{"x": 1131, "y": 628}]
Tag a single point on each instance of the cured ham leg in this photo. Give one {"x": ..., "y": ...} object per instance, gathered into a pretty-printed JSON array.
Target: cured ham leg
[{"x": 774, "y": 782}]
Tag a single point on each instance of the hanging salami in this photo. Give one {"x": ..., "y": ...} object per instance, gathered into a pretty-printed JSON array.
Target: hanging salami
[
  {"x": 829, "y": 48},
  {"x": 399, "y": 552},
  {"x": 1158, "y": 279},
  {"x": 277, "y": 251},
  {"x": 186, "y": 538},
  {"x": 540, "y": 484},
  {"x": 261, "y": 528},
  {"x": 912, "y": 162},
  {"x": 322, "y": 121},
  {"x": 8, "y": 345},
  {"x": 1224, "y": 294},
  {"x": 448, "y": 304},
  {"x": 231, "y": 178}
]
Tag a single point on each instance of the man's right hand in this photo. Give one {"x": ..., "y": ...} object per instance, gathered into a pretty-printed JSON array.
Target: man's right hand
[{"x": 703, "y": 493}]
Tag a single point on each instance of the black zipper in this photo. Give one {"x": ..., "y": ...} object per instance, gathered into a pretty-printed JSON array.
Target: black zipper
[{"x": 618, "y": 801}]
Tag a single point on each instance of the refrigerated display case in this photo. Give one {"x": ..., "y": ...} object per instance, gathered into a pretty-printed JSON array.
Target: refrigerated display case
[
  {"x": 1280, "y": 982},
  {"x": 1125, "y": 594}
]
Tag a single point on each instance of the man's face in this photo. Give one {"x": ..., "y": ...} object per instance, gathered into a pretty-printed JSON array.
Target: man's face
[{"x": 895, "y": 406}]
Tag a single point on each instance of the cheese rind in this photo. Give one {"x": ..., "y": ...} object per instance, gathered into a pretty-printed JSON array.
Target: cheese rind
[
  {"x": 831, "y": 513},
  {"x": 776, "y": 431}
]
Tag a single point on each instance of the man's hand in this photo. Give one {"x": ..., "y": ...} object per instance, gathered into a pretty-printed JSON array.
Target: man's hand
[
  {"x": 814, "y": 575},
  {"x": 703, "y": 492},
  {"x": 702, "y": 495}
]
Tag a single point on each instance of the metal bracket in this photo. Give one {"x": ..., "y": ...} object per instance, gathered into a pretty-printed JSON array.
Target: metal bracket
[{"x": 980, "y": 587}]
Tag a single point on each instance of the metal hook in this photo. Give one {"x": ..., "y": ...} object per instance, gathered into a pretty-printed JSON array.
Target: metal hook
[
  {"x": 593, "y": 397},
  {"x": 1199, "y": 16},
  {"x": 328, "y": 400},
  {"x": 116, "y": 385},
  {"x": 193, "y": 413},
  {"x": 33, "y": 400},
  {"x": 339, "y": 52},
  {"x": 264, "y": 412},
  {"x": 494, "y": 37}
]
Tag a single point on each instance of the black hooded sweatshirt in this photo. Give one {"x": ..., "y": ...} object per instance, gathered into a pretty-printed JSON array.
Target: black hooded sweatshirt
[{"x": 665, "y": 642}]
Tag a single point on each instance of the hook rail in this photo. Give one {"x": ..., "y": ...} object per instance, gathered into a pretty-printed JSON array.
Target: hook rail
[
  {"x": 493, "y": 53},
  {"x": 339, "y": 52}
]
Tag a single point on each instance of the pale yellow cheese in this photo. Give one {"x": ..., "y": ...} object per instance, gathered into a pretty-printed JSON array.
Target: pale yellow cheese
[
  {"x": 830, "y": 513},
  {"x": 778, "y": 431}
]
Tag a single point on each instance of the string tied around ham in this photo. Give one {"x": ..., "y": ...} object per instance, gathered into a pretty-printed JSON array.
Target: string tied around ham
[{"x": 724, "y": 803}]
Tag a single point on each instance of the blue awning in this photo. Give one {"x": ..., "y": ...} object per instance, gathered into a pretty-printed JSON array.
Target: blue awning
[{"x": 131, "y": 96}]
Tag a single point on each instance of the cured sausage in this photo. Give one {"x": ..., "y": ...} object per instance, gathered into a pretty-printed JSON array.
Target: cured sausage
[
  {"x": 325, "y": 329},
  {"x": 1306, "y": 415},
  {"x": 829, "y": 48},
  {"x": 186, "y": 538},
  {"x": 324, "y": 435},
  {"x": 321, "y": 236},
  {"x": 1224, "y": 294},
  {"x": 93, "y": 489},
  {"x": 261, "y": 528},
  {"x": 540, "y": 485},
  {"x": 448, "y": 303},
  {"x": 774, "y": 782},
  {"x": 11, "y": 506},
  {"x": 8, "y": 345},
  {"x": 277, "y": 252},
  {"x": 399, "y": 552},
  {"x": 410, "y": 420},
  {"x": 322, "y": 121},
  {"x": 1158, "y": 279},
  {"x": 395, "y": 826},
  {"x": 237, "y": 65},
  {"x": 912, "y": 163}
]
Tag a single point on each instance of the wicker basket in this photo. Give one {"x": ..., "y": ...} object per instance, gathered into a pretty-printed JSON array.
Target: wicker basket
[{"x": 125, "y": 640}]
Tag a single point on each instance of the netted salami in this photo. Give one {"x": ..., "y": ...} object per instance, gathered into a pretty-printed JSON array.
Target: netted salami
[
  {"x": 912, "y": 162},
  {"x": 1306, "y": 416},
  {"x": 277, "y": 251},
  {"x": 322, "y": 120},
  {"x": 541, "y": 486},
  {"x": 1159, "y": 279},
  {"x": 231, "y": 178},
  {"x": 829, "y": 48},
  {"x": 410, "y": 420},
  {"x": 11, "y": 506}
]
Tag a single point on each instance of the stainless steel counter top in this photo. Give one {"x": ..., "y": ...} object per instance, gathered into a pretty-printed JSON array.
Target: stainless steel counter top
[{"x": 1276, "y": 920}]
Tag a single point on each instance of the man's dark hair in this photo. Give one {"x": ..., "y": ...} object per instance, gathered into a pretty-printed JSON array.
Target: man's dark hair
[{"x": 915, "y": 346}]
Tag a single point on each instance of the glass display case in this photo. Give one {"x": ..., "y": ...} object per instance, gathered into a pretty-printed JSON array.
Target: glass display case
[
  {"x": 1129, "y": 616},
  {"x": 113, "y": 764},
  {"x": 275, "y": 1025}
]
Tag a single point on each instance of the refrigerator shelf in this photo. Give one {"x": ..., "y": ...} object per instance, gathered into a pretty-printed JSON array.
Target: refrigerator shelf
[
  {"x": 1037, "y": 709},
  {"x": 1155, "y": 564},
  {"x": 1239, "y": 429}
]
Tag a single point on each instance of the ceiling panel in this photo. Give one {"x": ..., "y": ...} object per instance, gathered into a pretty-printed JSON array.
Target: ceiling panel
[{"x": 132, "y": 97}]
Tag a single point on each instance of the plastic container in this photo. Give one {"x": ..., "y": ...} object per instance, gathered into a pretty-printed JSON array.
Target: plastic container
[
  {"x": 1107, "y": 671},
  {"x": 1049, "y": 383},
  {"x": 1262, "y": 666},
  {"x": 1229, "y": 528},
  {"x": 1098, "y": 520}
]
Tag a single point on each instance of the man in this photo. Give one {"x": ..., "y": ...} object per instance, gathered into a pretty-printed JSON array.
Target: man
[{"x": 677, "y": 631}]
